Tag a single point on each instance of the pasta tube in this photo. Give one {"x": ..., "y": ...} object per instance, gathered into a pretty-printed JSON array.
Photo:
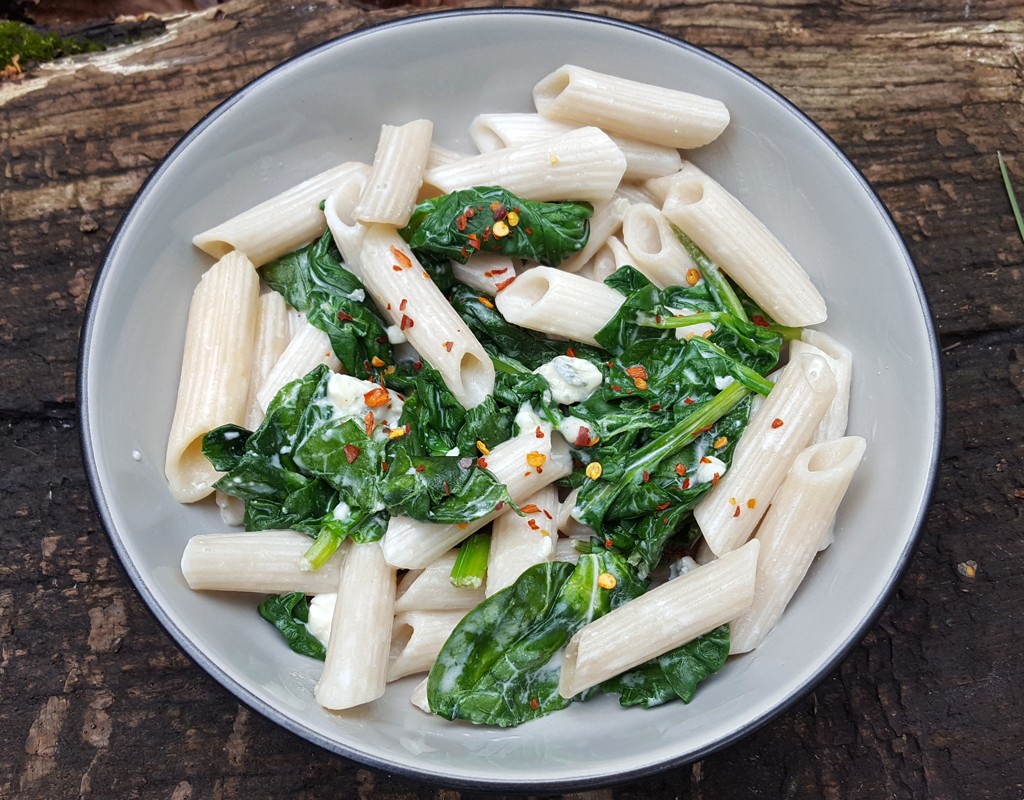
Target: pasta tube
[
  {"x": 214, "y": 383},
  {"x": 649, "y": 113},
  {"x": 664, "y": 618},
  {"x": 518, "y": 543},
  {"x": 396, "y": 174},
  {"x": 800, "y": 516}
]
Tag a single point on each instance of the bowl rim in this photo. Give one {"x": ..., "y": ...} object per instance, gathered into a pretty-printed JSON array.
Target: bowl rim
[{"x": 437, "y": 777}]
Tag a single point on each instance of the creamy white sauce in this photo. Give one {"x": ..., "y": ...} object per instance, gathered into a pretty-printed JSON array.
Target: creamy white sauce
[
  {"x": 342, "y": 511},
  {"x": 681, "y": 567},
  {"x": 721, "y": 383},
  {"x": 395, "y": 335},
  {"x": 527, "y": 419},
  {"x": 572, "y": 380},
  {"x": 321, "y": 612},
  {"x": 357, "y": 295},
  {"x": 707, "y": 468},
  {"x": 348, "y": 395},
  {"x": 570, "y": 427}
]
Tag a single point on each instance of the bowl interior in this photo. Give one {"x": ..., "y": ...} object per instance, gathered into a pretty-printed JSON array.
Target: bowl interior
[{"x": 326, "y": 107}]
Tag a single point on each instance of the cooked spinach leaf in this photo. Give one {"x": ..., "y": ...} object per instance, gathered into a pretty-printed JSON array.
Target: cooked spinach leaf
[{"x": 289, "y": 613}]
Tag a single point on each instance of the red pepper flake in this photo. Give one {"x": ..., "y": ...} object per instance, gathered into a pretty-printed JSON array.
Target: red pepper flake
[
  {"x": 351, "y": 453},
  {"x": 465, "y": 254},
  {"x": 664, "y": 520},
  {"x": 401, "y": 257},
  {"x": 485, "y": 302},
  {"x": 715, "y": 478},
  {"x": 680, "y": 470},
  {"x": 529, "y": 231},
  {"x": 343, "y": 317},
  {"x": 656, "y": 407},
  {"x": 760, "y": 321},
  {"x": 465, "y": 463},
  {"x": 533, "y": 524},
  {"x": 699, "y": 431},
  {"x": 471, "y": 213},
  {"x": 688, "y": 401},
  {"x": 534, "y": 705},
  {"x": 377, "y": 396},
  {"x": 492, "y": 272},
  {"x": 498, "y": 211},
  {"x": 403, "y": 305},
  {"x": 647, "y": 476},
  {"x": 481, "y": 462},
  {"x": 474, "y": 241},
  {"x": 570, "y": 352},
  {"x": 539, "y": 433},
  {"x": 448, "y": 346},
  {"x": 388, "y": 306},
  {"x": 616, "y": 387},
  {"x": 736, "y": 513},
  {"x": 417, "y": 365},
  {"x": 547, "y": 513},
  {"x": 530, "y": 508},
  {"x": 504, "y": 284},
  {"x": 396, "y": 268},
  {"x": 583, "y": 437},
  {"x": 406, "y": 322},
  {"x": 369, "y": 423},
  {"x": 420, "y": 468},
  {"x": 608, "y": 544},
  {"x": 447, "y": 490},
  {"x": 637, "y": 373},
  {"x": 686, "y": 484},
  {"x": 383, "y": 466},
  {"x": 662, "y": 507},
  {"x": 460, "y": 222},
  {"x": 777, "y": 423},
  {"x": 657, "y": 319}
]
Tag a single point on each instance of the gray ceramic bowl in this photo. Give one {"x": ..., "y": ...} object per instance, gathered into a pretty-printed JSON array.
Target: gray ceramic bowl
[{"x": 326, "y": 106}]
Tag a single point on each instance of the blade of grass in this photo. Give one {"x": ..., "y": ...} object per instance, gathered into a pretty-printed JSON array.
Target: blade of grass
[{"x": 1010, "y": 194}]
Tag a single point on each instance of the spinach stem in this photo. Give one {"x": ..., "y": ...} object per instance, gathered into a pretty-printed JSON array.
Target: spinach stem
[
  {"x": 323, "y": 547},
  {"x": 471, "y": 564},
  {"x": 720, "y": 287}
]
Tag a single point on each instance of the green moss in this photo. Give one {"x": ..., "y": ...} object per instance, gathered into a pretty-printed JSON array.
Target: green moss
[{"x": 18, "y": 39}]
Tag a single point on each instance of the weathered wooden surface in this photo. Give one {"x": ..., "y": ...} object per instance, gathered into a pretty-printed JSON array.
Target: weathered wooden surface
[{"x": 95, "y": 700}]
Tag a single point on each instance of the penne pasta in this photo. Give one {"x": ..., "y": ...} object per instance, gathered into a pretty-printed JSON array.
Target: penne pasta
[
  {"x": 609, "y": 258},
  {"x": 653, "y": 246},
  {"x": 640, "y": 110},
  {"x": 270, "y": 340},
  {"x": 267, "y": 562},
  {"x": 393, "y": 184},
  {"x": 309, "y": 348},
  {"x": 644, "y": 160},
  {"x": 583, "y": 164},
  {"x": 559, "y": 303},
  {"x": 744, "y": 248},
  {"x": 605, "y": 222},
  {"x": 278, "y": 225},
  {"x": 663, "y": 619},
  {"x": 775, "y": 435},
  {"x": 355, "y": 670},
  {"x": 404, "y": 291},
  {"x": 800, "y": 516},
  {"x": 484, "y": 272},
  {"x": 417, "y": 638},
  {"x": 840, "y": 360},
  {"x": 518, "y": 543},
  {"x": 214, "y": 383},
  {"x": 339, "y": 210}
]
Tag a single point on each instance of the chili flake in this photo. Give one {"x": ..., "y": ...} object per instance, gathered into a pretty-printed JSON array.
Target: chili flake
[
  {"x": 482, "y": 448},
  {"x": 447, "y": 489},
  {"x": 688, "y": 401},
  {"x": 760, "y": 321},
  {"x": 500, "y": 229},
  {"x": 534, "y": 705},
  {"x": 640, "y": 384},
  {"x": 487, "y": 303},
  {"x": 530, "y": 508},
  {"x": 699, "y": 431},
  {"x": 692, "y": 276},
  {"x": 403, "y": 305},
  {"x": 662, "y": 507},
  {"x": 736, "y": 513},
  {"x": 637, "y": 372},
  {"x": 504, "y": 284},
  {"x": 685, "y": 485},
  {"x": 536, "y": 459},
  {"x": 594, "y": 470},
  {"x": 401, "y": 257},
  {"x": 492, "y": 272},
  {"x": 680, "y": 470},
  {"x": 448, "y": 346},
  {"x": 396, "y": 268},
  {"x": 570, "y": 352},
  {"x": 343, "y": 317},
  {"x": 481, "y": 462},
  {"x": 752, "y": 502},
  {"x": 647, "y": 476},
  {"x": 420, "y": 468},
  {"x": 377, "y": 361},
  {"x": 407, "y": 322},
  {"x": 656, "y": 407},
  {"x": 721, "y": 442},
  {"x": 539, "y": 433},
  {"x": 369, "y": 423},
  {"x": 533, "y": 525},
  {"x": 351, "y": 453},
  {"x": 777, "y": 423},
  {"x": 377, "y": 396},
  {"x": 396, "y": 433},
  {"x": 512, "y": 218},
  {"x": 606, "y": 580}
]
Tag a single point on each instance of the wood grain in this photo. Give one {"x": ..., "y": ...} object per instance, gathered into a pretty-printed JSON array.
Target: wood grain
[{"x": 95, "y": 700}]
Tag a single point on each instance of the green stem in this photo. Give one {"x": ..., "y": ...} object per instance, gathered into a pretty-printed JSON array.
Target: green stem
[
  {"x": 1010, "y": 193},
  {"x": 323, "y": 547},
  {"x": 720, "y": 287},
  {"x": 471, "y": 564},
  {"x": 750, "y": 378},
  {"x": 596, "y": 497}
]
